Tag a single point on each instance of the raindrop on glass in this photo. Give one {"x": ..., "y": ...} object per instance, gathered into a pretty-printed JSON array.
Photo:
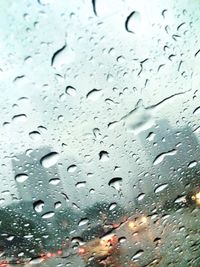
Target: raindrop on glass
[
  {"x": 160, "y": 188},
  {"x": 94, "y": 94},
  {"x": 49, "y": 160},
  {"x": 72, "y": 168},
  {"x": 22, "y": 177},
  {"x": 70, "y": 91},
  {"x": 38, "y": 206}
]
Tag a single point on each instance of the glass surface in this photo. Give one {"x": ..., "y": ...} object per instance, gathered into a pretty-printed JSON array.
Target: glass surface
[{"x": 99, "y": 133}]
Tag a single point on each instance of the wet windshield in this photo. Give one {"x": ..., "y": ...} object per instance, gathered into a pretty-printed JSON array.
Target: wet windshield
[{"x": 99, "y": 140}]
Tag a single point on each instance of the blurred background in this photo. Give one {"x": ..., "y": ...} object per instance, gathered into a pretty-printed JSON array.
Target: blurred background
[{"x": 99, "y": 137}]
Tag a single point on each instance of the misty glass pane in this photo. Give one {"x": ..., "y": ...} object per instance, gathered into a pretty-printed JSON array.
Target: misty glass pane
[{"x": 99, "y": 133}]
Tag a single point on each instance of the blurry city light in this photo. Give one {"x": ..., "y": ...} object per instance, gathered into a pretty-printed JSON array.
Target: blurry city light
[
  {"x": 49, "y": 254},
  {"x": 196, "y": 198},
  {"x": 144, "y": 219},
  {"x": 81, "y": 250},
  {"x": 137, "y": 222},
  {"x": 59, "y": 252},
  {"x": 131, "y": 224}
]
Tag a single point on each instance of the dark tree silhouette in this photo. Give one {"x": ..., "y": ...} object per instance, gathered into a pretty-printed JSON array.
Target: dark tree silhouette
[
  {"x": 102, "y": 219},
  {"x": 20, "y": 237},
  {"x": 65, "y": 223}
]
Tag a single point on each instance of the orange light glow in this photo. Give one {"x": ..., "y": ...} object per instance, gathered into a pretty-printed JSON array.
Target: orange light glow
[
  {"x": 49, "y": 255},
  {"x": 131, "y": 225},
  {"x": 81, "y": 250},
  {"x": 59, "y": 252},
  {"x": 196, "y": 197},
  {"x": 144, "y": 219}
]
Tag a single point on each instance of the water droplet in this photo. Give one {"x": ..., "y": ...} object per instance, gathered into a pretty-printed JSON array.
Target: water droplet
[
  {"x": 36, "y": 261},
  {"x": 62, "y": 97},
  {"x": 122, "y": 239},
  {"x": 163, "y": 13},
  {"x": 83, "y": 222},
  {"x": 94, "y": 7},
  {"x": 116, "y": 183},
  {"x": 38, "y": 206},
  {"x": 103, "y": 156},
  {"x": 56, "y": 56},
  {"x": 35, "y": 135},
  {"x": 60, "y": 118},
  {"x": 22, "y": 177},
  {"x": 80, "y": 184},
  {"x": 10, "y": 238},
  {"x": 162, "y": 156},
  {"x": 94, "y": 94},
  {"x": 97, "y": 133},
  {"x": 112, "y": 206},
  {"x": 133, "y": 21},
  {"x": 63, "y": 57},
  {"x": 111, "y": 102},
  {"x": 19, "y": 118},
  {"x": 180, "y": 199},
  {"x": 141, "y": 196},
  {"x": 197, "y": 110},
  {"x": 42, "y": 129},
  {"x": 20, "y": 254},
  {"x": 54, "y": 181},
  {"x": 57, "y": 205},
  {"x": 151, "y": 136},
  {"x": 70, "y": 91},
  {"x": 160, "y": 188},
  {"x": 137, "y": 254},
  {"x": 197, "y": 53},
  {"x": 109, "y": 78},
  {"x": 72, "y": 168},
  {"x": 92, "y": 191},
  {"x": 48, "y": 215},
  {"x": 21, "y": 80},
  {"x": 112, "y": 125},
  {"x": 6, "y": 125},
  {"x": 192, "y": 164},
  {"x": 49, "y": 160}
]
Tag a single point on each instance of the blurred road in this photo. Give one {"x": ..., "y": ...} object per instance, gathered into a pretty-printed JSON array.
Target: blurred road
[{"x": 170, "y": 240}]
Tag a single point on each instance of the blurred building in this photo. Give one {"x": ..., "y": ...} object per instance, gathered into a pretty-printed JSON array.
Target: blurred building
[
  {"x": 173, "y": 154},
  {"x": 42, "y": 184}
]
